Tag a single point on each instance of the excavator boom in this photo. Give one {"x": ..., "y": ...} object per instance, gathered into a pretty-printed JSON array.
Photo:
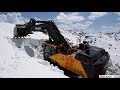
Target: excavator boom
[
  {"x": 47, "y": 27},
  {"x": 86, "y": 61}
]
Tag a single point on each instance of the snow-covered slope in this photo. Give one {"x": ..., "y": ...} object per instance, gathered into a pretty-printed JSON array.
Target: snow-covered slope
[{"x": 22, "y": 58}]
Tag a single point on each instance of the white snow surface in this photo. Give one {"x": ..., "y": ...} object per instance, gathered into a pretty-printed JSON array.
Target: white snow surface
[{"x": 22, "y": 58}]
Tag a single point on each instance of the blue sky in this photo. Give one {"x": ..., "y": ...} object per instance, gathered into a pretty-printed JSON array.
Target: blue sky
[{"x": 97, "y": 21}]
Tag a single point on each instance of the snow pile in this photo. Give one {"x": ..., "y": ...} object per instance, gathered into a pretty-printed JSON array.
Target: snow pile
[{"x": 22, "y": 58}]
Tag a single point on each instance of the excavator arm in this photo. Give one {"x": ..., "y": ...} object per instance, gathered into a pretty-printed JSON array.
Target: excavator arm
[{"x": 47, "y": 27}]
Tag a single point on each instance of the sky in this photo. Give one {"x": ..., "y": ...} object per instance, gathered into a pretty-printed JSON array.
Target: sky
[{"x": 80, "y": 21}]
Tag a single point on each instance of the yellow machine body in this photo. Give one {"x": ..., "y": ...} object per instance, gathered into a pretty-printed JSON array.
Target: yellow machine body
[{"x": 69, "y": 63}]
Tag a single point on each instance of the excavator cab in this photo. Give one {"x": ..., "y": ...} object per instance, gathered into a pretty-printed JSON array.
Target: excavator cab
[{"x": 93, "y": 59}]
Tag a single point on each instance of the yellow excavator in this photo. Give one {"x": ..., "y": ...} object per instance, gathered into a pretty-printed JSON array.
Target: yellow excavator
[{"x": 76, "y": 61}]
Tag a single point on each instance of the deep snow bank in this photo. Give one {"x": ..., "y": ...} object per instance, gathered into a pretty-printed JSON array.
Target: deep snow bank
[{"x": 22, "y": 58}]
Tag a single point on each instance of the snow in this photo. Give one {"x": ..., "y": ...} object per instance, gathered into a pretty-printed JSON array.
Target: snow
[
  {"x": 72, "y": 38},
  {"x": 22, "y": 58}
]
